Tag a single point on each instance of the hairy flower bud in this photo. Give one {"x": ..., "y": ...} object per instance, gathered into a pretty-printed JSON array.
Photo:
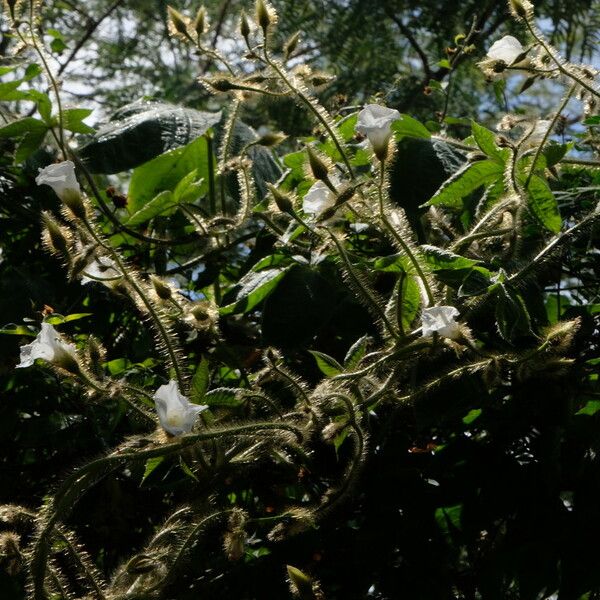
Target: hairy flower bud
[
  {"x": 520, "y": 9},
  {"x": 221, "y": 84},
  {"x": 283, "y": 201},
  {"x": 200, "y": 23},
  {"x": 318, "y": 165},
  {"x": 269, "y": 140},
  {"x": 291, "y": 44},
  {"x": 162, "y": 289},
  {"x": 10, "y": 553},
  {"x": 244, "y": 26},
  {"x": 265, "y": 15},
  {"x": 300, "y": 583},
  {"x": 56, "y": 236},
  {"x": 178, "y": 23}
]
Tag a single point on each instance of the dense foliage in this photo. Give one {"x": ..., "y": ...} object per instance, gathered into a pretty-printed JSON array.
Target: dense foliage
[{"x": 355, "y": 359}]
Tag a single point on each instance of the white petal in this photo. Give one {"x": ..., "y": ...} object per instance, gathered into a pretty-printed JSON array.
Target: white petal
[
  {"x": 507, "y": 49},
  {"x": 375, "y": 122},
  {"x": 48, "y": 345},
  {"x": 175, "y": 412},
  {"x": 441, "y": 320},
  {"x": 61, "y": 178},
  {"x": 102, "y": 268},
  {"x": 318, "y": 199}
]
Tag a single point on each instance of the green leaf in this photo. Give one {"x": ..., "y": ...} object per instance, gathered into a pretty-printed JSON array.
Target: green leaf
[
  {"x": 590, "y": 408},
  {"x": 22, "y": 126},
  {"x": 512, "y": 317},
  {"x": 44, "y": 105},
  {"x": 141, "y": 131},
  {"x": 254, "y": 288},
  {"x": 554, "y": 152},
  {"x": 224, "y": 397},
  {"x": 57, "y": 319},
  {"x": 327, "y": 364},
  {"x": 8, "y": 88},
  {"x": 77, "y": 316},
  {"x": 543, "y": 204},
  {"x": 18, "y": 330},
  {"x": 186, "y": 469},
  {"x": 164, "y": 172},
  {"x": 32, "y": 71},
  {"x": 465, "y": 181},
  {"x": 158, "y": 205},
  {"x": 347, "y": 126},
  {"x": 151, "y": 465},
  {"x": 592, "y": 121},
  {"x": 410, "y": 300},
  {"x": 449, "y": 518},
  {"x": 477, "y": 282},
  {"x": 189, "y": 188},
  {"x": 439, "y": 259},
  {"x": 29, "y": 143},
  {"x": 394, "y": 263},
  {"x": 200, "y": 382},
  {"x": 406, "y": 126},
  {"x": 356, "y": 353},
  {"x": 73, "y": 120},
  {"x": 486, "y": 140},
  {"x": 471, "y": 416}
]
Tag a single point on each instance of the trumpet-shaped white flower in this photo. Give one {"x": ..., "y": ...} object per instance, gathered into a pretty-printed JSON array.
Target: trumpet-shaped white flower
[
  {"x": 441, "y": 320},
  {"x": 49, "y": 346},
  {"x": 176, "y": 413},
  {"x": 375, "y": 121},
  {"x": 101, "y": 269},
  {"x": 506, "y": 49},
  {"x": 61, "y": 178},
  {"x": 319, "y": 197}
]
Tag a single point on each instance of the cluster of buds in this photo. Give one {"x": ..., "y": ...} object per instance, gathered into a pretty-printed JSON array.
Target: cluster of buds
[{"x": 185, "y": 28}]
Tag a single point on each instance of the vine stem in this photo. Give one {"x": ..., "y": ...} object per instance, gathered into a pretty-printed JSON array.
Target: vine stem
[
  {"x": 146, "y": 301},
  {"x": 334, "y": 138},
  {"x": 557, "y": 61},
  {"x": 547, "y": 133},
  {"x": 398, "y": 237}
]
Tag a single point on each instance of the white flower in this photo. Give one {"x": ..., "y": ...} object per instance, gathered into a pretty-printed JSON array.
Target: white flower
[
  {"x": 319, "y": 197},
  {"x": 507, "y": 49},
  {"x": 375, "y": 122},
  {"x": 100, "y": 269},
  {"x": 176, "y": 413},
  {"x": 49, "y": 346},
  {"x": 61, "y": 178},
  {"x": 440, "y": 319}
]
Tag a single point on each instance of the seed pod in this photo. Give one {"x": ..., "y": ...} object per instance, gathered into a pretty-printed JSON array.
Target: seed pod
[{"x": 283, "y": 201}]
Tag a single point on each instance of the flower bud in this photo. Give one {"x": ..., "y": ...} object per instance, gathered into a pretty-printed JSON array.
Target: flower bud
[
  {"x": 11, "y": 7},
  {"x": 244, "y": 26},
  {"x": 221, "y": 84},
  {"x": 163, "y": 290},
  {"x": 96, "y": 355},
  {"x": 56, "y": 237},
  {"x": 269, "y": 140},
  {"x": 178, "y": 23},
  {"x": 200, "y": 22},
  {"x": 10, "y": 553},
  {"x": 283, "y": 201},
  {"x": 318, "y": 166},
  {"x": 291, "y": 44},
  {"x": 265, "y": 15},
  {"x": 300, "y": 583},
  {"x": 520, "y": 8}
]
